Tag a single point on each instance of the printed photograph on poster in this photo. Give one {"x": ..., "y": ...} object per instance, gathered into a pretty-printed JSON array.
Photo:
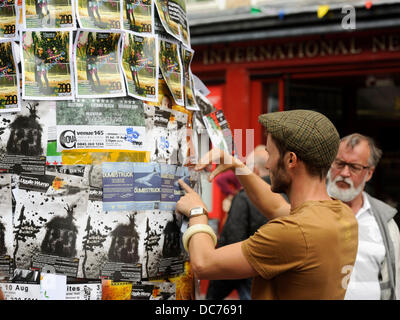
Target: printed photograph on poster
[
  {"x": 190, "y": 101},
  {"x": 23, "y": 137},
  {"x": 8, "y": 19},
  {"x": 171, "y": 68},
  {"x": 138, "y": 16},
  {"x": 97, "y": 68},
  {"x": 49, "y": 14},
  {"x": 49, "y": 222},
  {"x": 9, "y": 79},
  {"x": 140, "y": 65},
  {"x": 6, "y": 226},
  {"x": 99, "y": 14},
  {"x": 46, "y": 65}
]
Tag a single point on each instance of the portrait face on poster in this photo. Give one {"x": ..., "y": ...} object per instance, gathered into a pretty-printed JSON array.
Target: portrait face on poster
[
  {"x": 46, "y": 65},
  {"x": 97, "y": 68}
]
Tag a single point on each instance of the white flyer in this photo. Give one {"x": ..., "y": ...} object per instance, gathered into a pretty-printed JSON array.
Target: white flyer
[
  {"x": 73, "y": 137},
  {"x": 20, "y": 291},
  {"x": 84, "y": 291}
]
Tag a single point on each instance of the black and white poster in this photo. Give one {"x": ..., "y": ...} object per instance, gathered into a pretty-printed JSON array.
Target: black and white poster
[
  {"x": 23, "y": 137},
  {"x": 160, "y": 249},
  {"x": 6, "y": 227},
  {"x": 49, "y": 222},
  {"x": 110, "y": 245}
]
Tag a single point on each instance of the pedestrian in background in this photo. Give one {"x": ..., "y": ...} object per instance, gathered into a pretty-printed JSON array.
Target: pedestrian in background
[{"x": 376, "y": 273}]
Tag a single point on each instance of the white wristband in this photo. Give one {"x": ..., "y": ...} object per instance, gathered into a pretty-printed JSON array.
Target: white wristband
[{"x": 196, "y": 229}]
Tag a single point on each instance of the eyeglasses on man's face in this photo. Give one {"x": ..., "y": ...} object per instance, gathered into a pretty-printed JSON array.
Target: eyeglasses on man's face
[{"x": 354, "y": 168}]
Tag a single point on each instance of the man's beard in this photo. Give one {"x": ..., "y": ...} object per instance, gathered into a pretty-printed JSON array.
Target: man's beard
[
  {"x": 345, "y": 195},
  {"x": 280, "y": 180}
]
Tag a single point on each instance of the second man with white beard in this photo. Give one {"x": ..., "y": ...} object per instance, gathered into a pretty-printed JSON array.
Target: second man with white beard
[{"x": 376, "y": 273}]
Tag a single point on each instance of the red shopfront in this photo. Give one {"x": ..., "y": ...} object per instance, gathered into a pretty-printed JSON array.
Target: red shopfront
[{"x": 352, "y": 77}]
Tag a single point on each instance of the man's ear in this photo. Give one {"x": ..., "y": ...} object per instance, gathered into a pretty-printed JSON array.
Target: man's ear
[
  {"x": 370, "y": 173},
  {"x": 292, "y": 160}
]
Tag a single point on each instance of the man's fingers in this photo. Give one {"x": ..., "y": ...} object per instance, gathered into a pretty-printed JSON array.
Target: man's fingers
[
  {"x": 185, "y": 186},
  {"x": 215, "y": 155},
  {"x": 219, "y": 169}
]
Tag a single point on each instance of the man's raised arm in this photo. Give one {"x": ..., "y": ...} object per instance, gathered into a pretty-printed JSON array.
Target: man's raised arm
[{"x": 271, "y": 204}]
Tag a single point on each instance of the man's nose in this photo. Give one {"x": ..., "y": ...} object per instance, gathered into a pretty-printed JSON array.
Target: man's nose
[{"x": 345, "y": 172}]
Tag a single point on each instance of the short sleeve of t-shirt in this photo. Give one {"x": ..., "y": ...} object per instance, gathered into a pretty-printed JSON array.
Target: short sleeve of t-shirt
[{"x": 276, "y": 247}]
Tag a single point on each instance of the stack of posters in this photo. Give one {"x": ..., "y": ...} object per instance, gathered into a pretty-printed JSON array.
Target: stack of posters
[{"x": 97, "y": 105}]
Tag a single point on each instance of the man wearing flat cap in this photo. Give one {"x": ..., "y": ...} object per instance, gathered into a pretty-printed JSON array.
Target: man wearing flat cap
[{"x": 308, "y": 247}]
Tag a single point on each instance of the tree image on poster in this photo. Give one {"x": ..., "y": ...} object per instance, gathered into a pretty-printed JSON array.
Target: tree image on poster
[
  {"x": 91, "y": 240},
  {"x": 150, "y": 242},
  {"x": 23, "y": 231}
]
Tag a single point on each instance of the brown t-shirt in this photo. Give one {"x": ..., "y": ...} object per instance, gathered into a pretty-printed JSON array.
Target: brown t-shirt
[{"x": 305, "y": 255}]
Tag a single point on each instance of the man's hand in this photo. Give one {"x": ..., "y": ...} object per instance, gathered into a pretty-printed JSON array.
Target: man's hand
[
  {"x": 189, "y": 201},
  {"x": 224, "y": 162}
]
